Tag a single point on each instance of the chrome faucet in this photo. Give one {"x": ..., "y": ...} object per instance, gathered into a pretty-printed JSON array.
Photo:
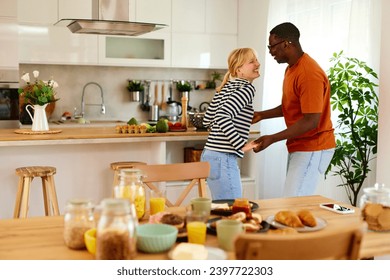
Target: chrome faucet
[{"x": 83, "y": 104}]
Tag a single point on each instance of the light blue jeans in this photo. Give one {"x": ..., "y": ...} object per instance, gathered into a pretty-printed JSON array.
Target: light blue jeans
[
  {"x": 304, "y": 170},
  {"x": 224, "y": 180}
]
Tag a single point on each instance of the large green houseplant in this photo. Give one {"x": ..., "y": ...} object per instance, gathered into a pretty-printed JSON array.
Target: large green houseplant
[{"x": 354, "y": 98}]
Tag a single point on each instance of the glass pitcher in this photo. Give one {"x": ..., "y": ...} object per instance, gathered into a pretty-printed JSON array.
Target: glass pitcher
[{"x": 130, "y": 187}]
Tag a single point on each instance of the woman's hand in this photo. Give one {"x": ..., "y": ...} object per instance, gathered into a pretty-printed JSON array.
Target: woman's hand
[{"x": 250, "y": 146}]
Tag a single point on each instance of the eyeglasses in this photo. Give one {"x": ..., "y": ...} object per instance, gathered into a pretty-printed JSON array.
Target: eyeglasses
[{"x": 274, "y": 45}]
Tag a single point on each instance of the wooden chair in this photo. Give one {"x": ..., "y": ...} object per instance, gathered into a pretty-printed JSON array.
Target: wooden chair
[
  {"x": 194, "y": 172},
  {"x": 343, "y": 243}
]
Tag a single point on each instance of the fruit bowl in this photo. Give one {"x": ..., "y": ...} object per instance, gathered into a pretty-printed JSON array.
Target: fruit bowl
[
  {"x": 197, "y": 120},
  {"x": 155, "y": 238}
]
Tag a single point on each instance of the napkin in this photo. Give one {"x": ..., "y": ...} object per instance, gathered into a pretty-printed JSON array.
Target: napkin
[{"x": 215, "y": 206}]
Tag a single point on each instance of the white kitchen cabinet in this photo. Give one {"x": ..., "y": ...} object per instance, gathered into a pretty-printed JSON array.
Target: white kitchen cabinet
[
  {"x": 222, "y": 16},
  {"x": 154, "y": 12},
  {"x": 9, "y": 43},
  {"x": 203, "y": 32},
  {"x": 189, "y": 16},
  {"x": 8, "y": 35},
  {"x": 202, "y": 50},
  {"x": 75, "y": 9},
  {"x": 8, "y": 8},
  {"x": 37, "y": 11},
  {"x": 56, "y": 45},
  {"x": 150, "y": 49}
]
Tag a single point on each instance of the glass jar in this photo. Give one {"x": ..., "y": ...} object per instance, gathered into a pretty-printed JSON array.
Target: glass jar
[
  {"x": 78, "y": 218},
  {"x": 375, "y": 205},
  {"x": 116, "y": 231},
  {"x": 242, "y": 205},
  {"x": 130, "y": 187}
]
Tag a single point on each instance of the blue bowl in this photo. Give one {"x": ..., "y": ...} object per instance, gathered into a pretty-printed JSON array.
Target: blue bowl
[{"x": 155, "y": 238}]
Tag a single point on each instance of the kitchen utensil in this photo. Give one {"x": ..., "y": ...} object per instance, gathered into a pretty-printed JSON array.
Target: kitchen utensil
[
  {"x": 203, "y": 106},
  {"x": 156, "y": 95},
  {"x": 154, "y": 113},
  {"x": 174, "y": 110},
  {"x": 163, "y": 104}
]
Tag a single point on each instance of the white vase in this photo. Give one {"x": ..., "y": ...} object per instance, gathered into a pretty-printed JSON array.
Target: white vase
[{"x": 39, "y": 121}]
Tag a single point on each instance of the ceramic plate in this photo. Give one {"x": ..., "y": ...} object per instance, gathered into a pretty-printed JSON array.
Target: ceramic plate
[
  {"x": 321, "y": 223},
  {"x": 212, "y": 230},
  {"x": 228, "y": 212},
  {"x": 213, "y": 254}
]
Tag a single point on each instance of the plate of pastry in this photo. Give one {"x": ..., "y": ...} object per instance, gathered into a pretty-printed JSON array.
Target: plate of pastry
[
  {"x": 223, "y": 207},
  {"x": 249, "y": 226},
  {"x": 302, "y": 221}
]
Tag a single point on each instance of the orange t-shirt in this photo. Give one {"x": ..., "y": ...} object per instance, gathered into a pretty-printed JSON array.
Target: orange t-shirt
[{"x": 306, "y": 89}]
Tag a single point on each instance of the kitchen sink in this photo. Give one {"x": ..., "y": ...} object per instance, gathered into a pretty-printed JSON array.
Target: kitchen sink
[{"x": 89, "y": 123}]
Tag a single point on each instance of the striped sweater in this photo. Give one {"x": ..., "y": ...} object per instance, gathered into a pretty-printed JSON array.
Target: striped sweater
[{"x": 229, "y": 117}]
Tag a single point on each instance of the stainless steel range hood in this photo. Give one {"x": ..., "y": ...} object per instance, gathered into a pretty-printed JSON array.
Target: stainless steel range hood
[{"x": 109, "y": 17}]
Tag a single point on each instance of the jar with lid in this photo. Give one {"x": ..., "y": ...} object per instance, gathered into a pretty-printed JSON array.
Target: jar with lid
[
  {"x": 375, "y": 205},
  {"x": 78, "y": 218},
  {"x": 116, "y": 231},
  {"x": 130, "y": 186}
]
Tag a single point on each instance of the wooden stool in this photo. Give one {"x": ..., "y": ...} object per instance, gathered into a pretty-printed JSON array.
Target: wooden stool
[
  {"x": 26, "y": 175},
  {"x": 117, "y": 166}
]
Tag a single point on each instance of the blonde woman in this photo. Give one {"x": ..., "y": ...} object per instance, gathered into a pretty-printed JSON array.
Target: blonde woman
[{"x": 228, "y": 119}]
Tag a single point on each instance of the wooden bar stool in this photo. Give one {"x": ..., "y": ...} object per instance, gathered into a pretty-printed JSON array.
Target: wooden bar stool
[
  {"x": 26, "y": 175},
  {"x": 117, "y": 166}
]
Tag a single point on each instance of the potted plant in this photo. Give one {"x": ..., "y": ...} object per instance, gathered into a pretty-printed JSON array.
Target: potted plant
[
  {"x": 135, "y": 88},
  {"x": 353, "y": 95},
  {"x": 183, "y": 86},
  {"x": 215, "y": 76}
]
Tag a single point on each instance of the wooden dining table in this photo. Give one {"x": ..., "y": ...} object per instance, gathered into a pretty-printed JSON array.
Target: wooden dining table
[{"x": 41, "y": 238}]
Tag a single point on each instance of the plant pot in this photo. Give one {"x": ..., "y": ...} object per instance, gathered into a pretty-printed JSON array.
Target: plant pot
[{"x": 135, "y": 96}]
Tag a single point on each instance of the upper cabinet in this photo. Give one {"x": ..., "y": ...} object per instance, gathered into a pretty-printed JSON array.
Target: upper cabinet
[
  {"x": 203, "y": 32},
  {"x": 150, "y": 49},
  {"x": 8, "y": 8},
  {"x": 8, "y": 35},
  {"x": 199, "y": 34},
  {"x": 37, "y": 11}
]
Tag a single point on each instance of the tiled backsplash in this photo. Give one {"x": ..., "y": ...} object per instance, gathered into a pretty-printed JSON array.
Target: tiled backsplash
[{"x": 113, "y": 80}]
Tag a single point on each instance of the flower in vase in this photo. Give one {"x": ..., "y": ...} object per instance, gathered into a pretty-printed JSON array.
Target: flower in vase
[{"x": 38, "y": 92}]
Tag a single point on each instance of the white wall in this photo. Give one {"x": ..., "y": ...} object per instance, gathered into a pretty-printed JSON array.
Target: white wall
[{"x": 383, "y": 174}]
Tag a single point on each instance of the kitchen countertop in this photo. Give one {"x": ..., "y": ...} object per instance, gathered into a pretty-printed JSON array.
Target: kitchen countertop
[{"x": 86, "y": 135}]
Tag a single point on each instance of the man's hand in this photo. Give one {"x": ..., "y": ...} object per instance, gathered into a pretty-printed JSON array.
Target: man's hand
[
  {"x": 256, "y": 117},
  {"x": 263, "y": 142}
]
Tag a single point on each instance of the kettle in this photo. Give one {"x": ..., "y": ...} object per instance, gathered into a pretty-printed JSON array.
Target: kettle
[{"x": 173, "y": 110}]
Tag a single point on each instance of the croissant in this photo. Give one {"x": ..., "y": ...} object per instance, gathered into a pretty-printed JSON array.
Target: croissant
[
  {"x": 288, "y": 218},
  {"x": 307, "y": 218}
]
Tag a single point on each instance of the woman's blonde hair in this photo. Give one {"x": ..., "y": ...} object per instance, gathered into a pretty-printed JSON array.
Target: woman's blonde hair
[{"x": 236, "y": 59}]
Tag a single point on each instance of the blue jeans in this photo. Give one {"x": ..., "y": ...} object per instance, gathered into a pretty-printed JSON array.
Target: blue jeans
[
  {"x": 224, "y": 180},
  {"x": 304, "y": 170}
]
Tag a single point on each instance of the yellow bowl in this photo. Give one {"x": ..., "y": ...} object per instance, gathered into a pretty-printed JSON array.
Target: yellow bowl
[{"x": 90, "y": 240}]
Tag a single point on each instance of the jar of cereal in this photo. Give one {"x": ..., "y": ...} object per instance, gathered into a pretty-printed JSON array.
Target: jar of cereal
[
  {"x": 130, "y": 186},
  {"x": 116, "y": 231},
  {"x": 78, "y": 218}
]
